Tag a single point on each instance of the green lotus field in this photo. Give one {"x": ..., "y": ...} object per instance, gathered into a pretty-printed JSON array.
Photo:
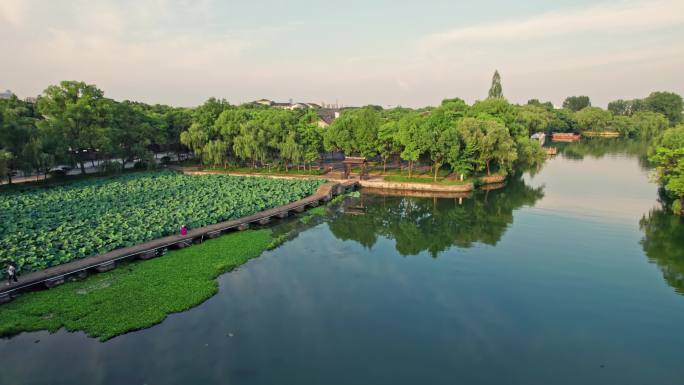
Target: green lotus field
[{"x": 47, "y": 227}]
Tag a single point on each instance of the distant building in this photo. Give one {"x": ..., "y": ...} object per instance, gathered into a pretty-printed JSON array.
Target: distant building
[
  {"x": 327, "y": 116},
  {"x": 6, "y": 95},
  {"x": 287, "y": 105},
  {"x": 264, "y": 102},
  {"x": 539, "y": 136}
]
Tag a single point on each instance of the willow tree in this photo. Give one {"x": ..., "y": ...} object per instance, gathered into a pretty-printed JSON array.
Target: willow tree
[
  {"x": 250, "y": 144},
  {"x": 291, "y": 150},
  {"x": 496, "y": 91}
]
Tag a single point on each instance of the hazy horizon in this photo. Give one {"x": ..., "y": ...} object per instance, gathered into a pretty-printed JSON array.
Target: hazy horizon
[{"x": 387, "y": 53}]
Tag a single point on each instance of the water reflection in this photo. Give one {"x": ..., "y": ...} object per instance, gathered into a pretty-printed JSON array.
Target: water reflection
[
  {"x": 434, "y": 225},
  {"x": 600, "y": 147},
  {"x": 663, "y": 243}
]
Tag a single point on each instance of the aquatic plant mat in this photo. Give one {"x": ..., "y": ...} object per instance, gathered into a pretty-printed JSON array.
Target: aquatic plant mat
[{"x": 137, "y": 295}]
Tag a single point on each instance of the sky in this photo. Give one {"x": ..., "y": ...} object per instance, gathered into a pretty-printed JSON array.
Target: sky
[{"x": 352, "y": 52}]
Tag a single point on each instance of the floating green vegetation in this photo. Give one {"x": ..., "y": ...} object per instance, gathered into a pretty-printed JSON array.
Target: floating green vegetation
[
  {"x": 137, "y": 295},
  {"x": 314, "y": 212}
]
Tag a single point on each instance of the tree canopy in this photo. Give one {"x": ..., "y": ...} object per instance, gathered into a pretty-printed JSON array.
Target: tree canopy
[
  {"x": 496, "y": 90},
  {"x": 667, "y": 154},
  {"x": 576, "y": 103}
]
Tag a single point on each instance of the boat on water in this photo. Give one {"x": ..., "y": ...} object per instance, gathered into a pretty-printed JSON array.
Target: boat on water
[{"x": 566, "y": 137}]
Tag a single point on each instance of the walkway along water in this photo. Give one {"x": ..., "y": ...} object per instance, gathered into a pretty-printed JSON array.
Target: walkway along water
[{"x": 57, "y": 275}]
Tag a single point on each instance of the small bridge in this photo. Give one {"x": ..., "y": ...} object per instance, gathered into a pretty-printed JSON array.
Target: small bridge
[{"x": 80, "y": 268}]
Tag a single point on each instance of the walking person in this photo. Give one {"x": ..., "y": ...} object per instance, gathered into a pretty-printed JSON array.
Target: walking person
[{"x": 11, "y": 273}]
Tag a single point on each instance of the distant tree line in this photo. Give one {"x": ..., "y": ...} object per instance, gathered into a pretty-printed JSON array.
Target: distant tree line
[
  {"x": 644, "y": 118},
  {"x": 74, "y": 123}
]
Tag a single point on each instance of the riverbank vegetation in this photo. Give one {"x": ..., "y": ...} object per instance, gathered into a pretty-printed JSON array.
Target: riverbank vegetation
[
  {"x": 73, "y": 123},
  {"x": 667, "y": 155},
  {"x": 47, "y": 227},
  {"x": 137, "y": 295}
]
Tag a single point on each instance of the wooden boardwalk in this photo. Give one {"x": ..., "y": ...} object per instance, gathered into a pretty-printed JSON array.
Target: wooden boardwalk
[{"x": 57, "y": 275}]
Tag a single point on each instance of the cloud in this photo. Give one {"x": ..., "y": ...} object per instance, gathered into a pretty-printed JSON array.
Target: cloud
[
  {"x": 12, "y": 11},
  {"x": 182, "y": 51},
  {"x": 625, "y": 17}
]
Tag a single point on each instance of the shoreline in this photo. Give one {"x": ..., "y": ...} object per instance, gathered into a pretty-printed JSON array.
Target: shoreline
[{"x": 377, "y": 182}]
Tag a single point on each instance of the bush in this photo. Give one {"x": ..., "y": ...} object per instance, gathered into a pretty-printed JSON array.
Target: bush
[
  {"x": 111, "y": 167},
  {"x": 677, "y": 207}
]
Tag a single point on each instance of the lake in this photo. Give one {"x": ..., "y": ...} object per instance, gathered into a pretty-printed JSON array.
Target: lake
[{"x": 573, "y": 274}]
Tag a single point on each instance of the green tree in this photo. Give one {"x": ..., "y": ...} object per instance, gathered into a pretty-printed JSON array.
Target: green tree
[
  {"x": 667, "y": 103},
  {"x": 411, "y": 137},
  {"x": 17, "y": 129},
  {"x": 562, "y": 121},
  {"x": 75, "y": 112},
  {"x": 494, "y": 143},
  {"x": 355, "y": 132},
  {"x": 648, "y": 124},
  {"x": 667, "y": 154},
  {"x": 312, "y": 143},
  {"x": 251, "y": 143},
  {"x": 593, "y": 119},
  {"x": 215, "y": 152},
  {"x": 624, "y": 125},
  {"x": 387, "y": 142},
  {"x": 535, "y": 102},
  {"x": 132, "y": 131},
  {"x": 5, "y": 159},
  {"x": 290, "y": 150},
  {"x": 443, "y": 142},
  {"x": 576, "y": 103},
  {"x": 620, "y": 107},
  {"x": 534, "y": 117},
  {"x": 38, "y": 156},
  {"x": 496, "y": 90},
  {"x": 203, "y": 128},
  {"x": 195, "y": 138}
]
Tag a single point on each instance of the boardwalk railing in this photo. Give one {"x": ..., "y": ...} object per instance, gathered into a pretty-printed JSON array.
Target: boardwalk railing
[{"x": 57, "y": 275}]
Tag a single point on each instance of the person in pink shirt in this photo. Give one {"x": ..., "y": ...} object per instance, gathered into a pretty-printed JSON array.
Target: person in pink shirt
[{"x": 184, "y": 230}]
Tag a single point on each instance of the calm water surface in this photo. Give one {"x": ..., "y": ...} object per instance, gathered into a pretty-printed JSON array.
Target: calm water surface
[{"x": 571, "y": 276}]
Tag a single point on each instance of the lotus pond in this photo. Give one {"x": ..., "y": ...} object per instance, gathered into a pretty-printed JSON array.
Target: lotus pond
[{"x": 46, "y": 227}]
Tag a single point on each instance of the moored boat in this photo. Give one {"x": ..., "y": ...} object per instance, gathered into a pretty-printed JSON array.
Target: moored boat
[{"x": 566, "y": 137}]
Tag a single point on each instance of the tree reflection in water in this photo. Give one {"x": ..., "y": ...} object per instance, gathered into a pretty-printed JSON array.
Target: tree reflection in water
[
  {"x": 663, "y": 243},
  {"x": 600, "y": 147},
  {"x": 435, "y": 224}
]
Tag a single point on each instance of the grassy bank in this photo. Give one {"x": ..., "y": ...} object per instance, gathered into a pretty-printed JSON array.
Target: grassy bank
[{"x": 135, "y": 296}]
